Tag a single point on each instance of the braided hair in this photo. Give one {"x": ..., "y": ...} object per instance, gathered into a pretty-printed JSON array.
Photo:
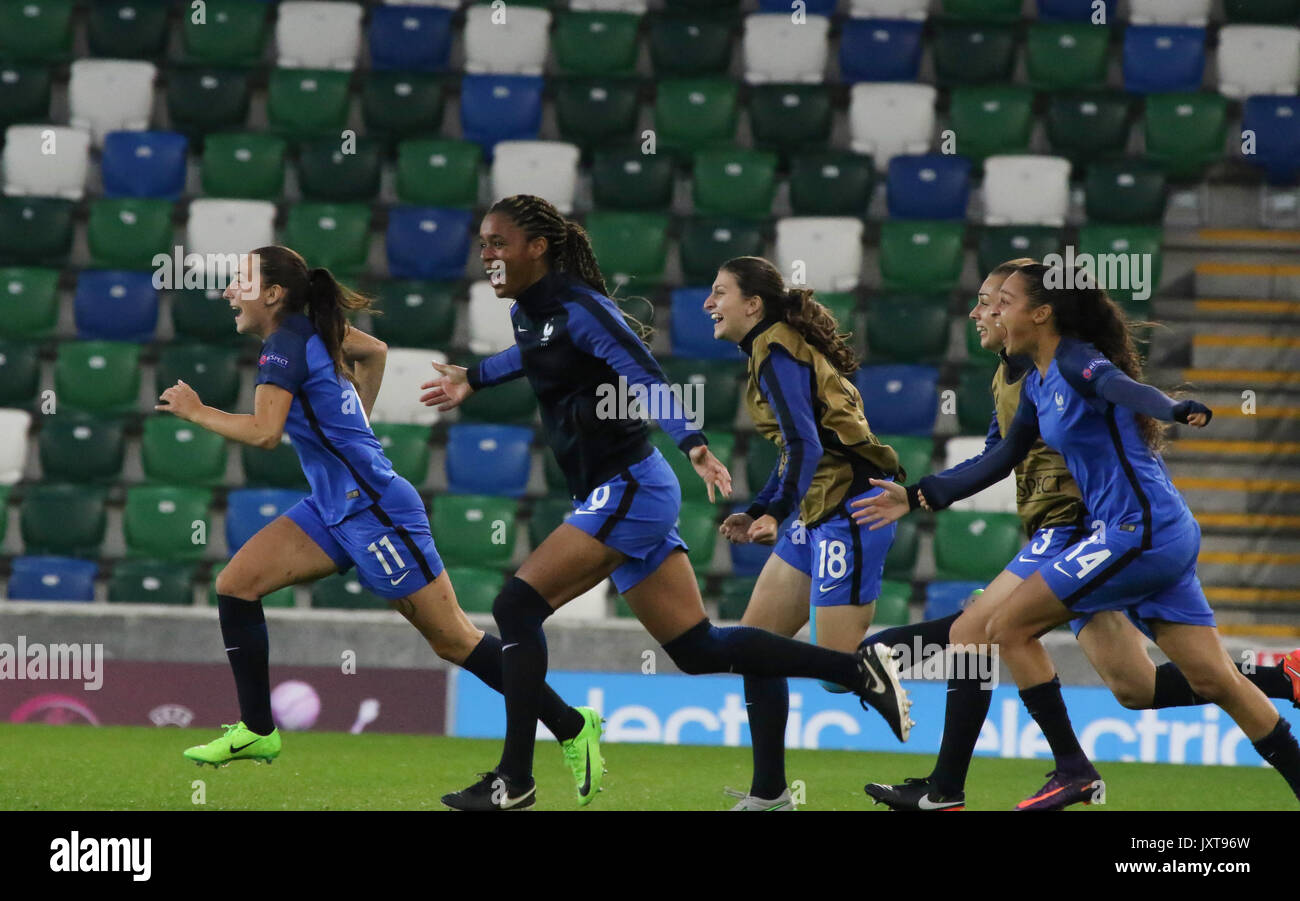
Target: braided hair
[{"x": 568, "y": 247}]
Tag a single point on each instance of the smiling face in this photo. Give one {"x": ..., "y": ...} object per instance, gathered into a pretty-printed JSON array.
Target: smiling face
[
  {"x": 1022, "y": 324},
  {"x": 255, "y": 305},
  {"x": 733, "y": 314},
  {"x": 510, "y": 260},
  {"x": 986, "y": 325}
]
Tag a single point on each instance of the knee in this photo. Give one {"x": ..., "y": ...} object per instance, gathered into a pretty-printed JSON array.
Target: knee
[
  {"x": 233, "y": 582},
  {"x": 519, "y": 606},
  {"x": 1214, "y": 686},
  {"x": 1130, "y": 696},
  {"x": 693, "y": 652}
]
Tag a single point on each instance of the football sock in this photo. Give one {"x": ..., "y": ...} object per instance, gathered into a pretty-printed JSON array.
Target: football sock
[
  {"x": 520, "y": 611},
  {"x": 968, "y": 701},
  {"x": 1173, "y": 690},
  {"x": 248, "y": 648},
  {"x": 485, "y": 662},
  {"x": 706, "y": 648},
  {"x": 1046, "y": 706},
  {"x": 1280, "y": 749},
  {"x": 767, "y": 700},
  {"x": 931, "y": 635}
]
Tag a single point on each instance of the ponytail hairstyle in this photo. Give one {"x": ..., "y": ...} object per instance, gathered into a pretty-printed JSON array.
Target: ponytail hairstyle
[
  {"x": 314, "y": 293},
  {"x": 796, "y": 307},
  {"x": 1089, "y": 314}
]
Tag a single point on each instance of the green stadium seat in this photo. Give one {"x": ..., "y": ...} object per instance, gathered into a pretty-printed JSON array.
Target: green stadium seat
[
  {"x": 176, "y": 452},
  {"x": 547, "y": 515},
  {"x": 474, "y": 530},
  {"x": 974, "y": 400},
  {"x": 967, "y": 53},
  {"x": 248, "y": 165},
  {"x": 1185, "y": 133},
  {"x": 1261, "y": 12},
  {"x": 734, "y": 597},
  {"x": 721, "y": 443},
  {"x": 20, "y": 372},
  {"x": 690, "y": 45},
  {"x": 831, "y": 183},
  {"x": 1097, "y": 239},
  {"x": 98, "y": 376},
  {"x": 36, "y": 30},
  {"x": 333, "y": 235},
  {"x": 916, "y": 255},
  {"x": 79, "y": 448},
  {"x": 790, "y": 118},
  {"x": 127, "y": 232},
  {"x": 29, "y": 302},
  {"x": 596, "y": 43},
  {"x": 231, "y": 33},
  {"x": 280, "y": 598},
  {"x": 914, "y": 453},
  {"x": 400, "y": 105},
  {"x": 991, "y": 119},
  {"x": 555, "y": 483},
  {"x": 971, "y": 546},
  {"x": 628, "y": 179},
  {"x": 892, "y": 605},
  {"x": 735, "y": 182},
  {"x": 695, "y": 113},
  {"x": 707, "y": 243},
  {"x": 438, "y": 172},
  {"x": 204, "y": 100},
  {"x": 203, "y": 315},
  {"x": 151, "y": 582},
  {"x": 1003, "y": 243},
  {"x": 1067, "y": 55},
  {"x": 843, "y": 305},
  {"x": 907, "y": 328},
  {"x": 510, "y": 403},
  {"x": 1125, "y": 191},
  {"x": 761, "y": 457},
  {"x": 477, "y": 587},
  {"x": 35, "y": 230},
  {"x": 67, "y": 520},
  {"x": 632, "y": 248},
  {"x": 1089, "y": 125},
  {"x": 407, "y": 448},
  {"x": 343, "y": 591},
  {"x": 127, "y": 29},
  {"x": 717, "y": 8},
  {"x": 597, "y": 112},
  {"x": 991, "y": 10},
  {"x": 24, "y": 93},
  {"x": 167, "y": 522},
  {"x": 278, "y": 467},
  {"x": 415, "y": 313},
  {"x": 901, "y": 559},
  {"x": 327, "y": 173},
  {"x": 721, "y": 391},
  {"x": 307, "y": 103},
  {"x": 211, "y": 370},
  {"x": 697, "y": 524}
]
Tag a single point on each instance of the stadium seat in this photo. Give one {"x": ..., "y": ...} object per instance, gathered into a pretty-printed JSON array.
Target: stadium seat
[
  {"x": 596, "y": 43},
  {"x": 397, "y": 105},
  {"x": 283, "y": 597},
  {"x": 427, "y": 242},
  {"x": 1067, "y": 55},
  {"x": 1258, "y": 59},
  {"x": 1130, "y": 190},
  {"x": 719, "y": 391},
  {"x": 29, "y": 302},
  {"x": 490, "y": 327},
  {"x": 886, "y": 120},
  {"x": 631, "y": 180},
  {"x": 44, "y": 578},
  {"x": 697, "y": 524},
  {"x": 127, "y": 29},
  {"x": 968, "y": 53},
  {"x": 128, "y": 232},
  {"x": 98, "y": 376},
  {"x": 1089, "y": 125},
  {"x": 438, "y": 172},
  {"x": 1026, "y": 190},
  {"x": 914, "y": 453},
  {"x": 477, "y": 587},
  {"x": 900, "y": 560},
  {"x": 115, "y": 305},
  {"x": 474, "y": 530},
  {"x": 308, "y": 103},
  {"x": 326, "y": 173},
  {"x": 690, "y": 45},
  {"x": 343, "y": 591},
  {"x": 203, "y": 315},
  {"x": 24, "y": 93},
  {"x": 1169, "y": 12},
  {"x": 907, "y": 328},
  {"x": 248, "y": 510},
  {"x": 278, "y": 467},
  {"x": 500, "y": 108},
  {"x": 409, "y": 38},
  {"x": 1124, "y": 239},
  {"x": 1185, "y": 133},
  {"x": 46, "y": 161},
  {"x": 211, "y": 370},
  {"x": 144, "y": 164},
  {"x": 205, "y": 100},
  {"x": 36, "y": 30},
  {"x": 14, "y": 425},
  {"x": 928, "y": 186},
  {"x": 975, "y": 546},
  {"x": 815, "y": 8},
  {"x": 248, "y": 165},
  {"x": 992, "y": 119},
  {"x": 546, "y": 168},
  {"x": 1275, "y": 122},
  {"x": 399, "y": 396},
  {"x": 229, "y": 226},
  {"x": 708, "y": 242},
  {"x": 919, "y": 255},
  {"x": 35, "y": 230},
  {"x": 632, "y": 247},
  {"x": 597, "y": 112},
  {"x": 110, "y": 95},
  {"x": 415, "y": 313},
  {"x": 997, "y": 498},
  {"x": 777, "y": 50},
  {"x": 512, "y": 402},
  {"x": 20, "y": 370},
  {"x": 998, "y": 244},
  {"x": 407, "y": 448},
  {"x": 230, "y": 33},
  {"x": 488, "y": 459},
  {"x": 79, "y": 448},
  {"x": 691, "y": 329},
  {"x": 892, "y": 604},
  {"x": 829, "y": 247},
  {"x": 761, "y": 457},
  {"x": 313, "y": 34},
  {"x": 151, "y": 582},
  {"x": 889, "y": 9},
  {"x": 831, "y": 183},
  {"x": 994, "y": 10},
  {"x": 68, "y": 520},
  {"x": 694, "y": 113},
  {"x": 843, "y": 305},
  {"x": 735, "y": 182},
  {"x": 944, "y": 599},
  {"x": 176, "y": 452},
  {"x": 546, "y": 516},
  {"x": 515, "y": 44},
  {"x": 1163, "y": 58},
  {"x": 789, "y": 118},
  {"x": 1262, "y": 12},
  {"x": 879, "y": 50},
  {"x": 901, "y": 399},
  {"x": 693, "y": 488},
  {"x": 333, "y": 235},
  {"x": 974, "y": 399}
]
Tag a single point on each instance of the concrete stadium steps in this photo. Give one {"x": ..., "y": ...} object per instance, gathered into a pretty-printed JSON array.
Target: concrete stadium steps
[
  {"x": 1272, "y": 415},
  {"x": 1275, "y": 352},
  {"x": 1250, "y": 561},
  {"x": 1255, "y": 281}
]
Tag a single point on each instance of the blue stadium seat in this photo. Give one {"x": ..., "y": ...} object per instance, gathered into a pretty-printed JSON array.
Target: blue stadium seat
[
  {"x": 500, "y": 108},
  {"x": 748, "y": 559},
  {"x": 249, "y": 509},
  {"x": 945, "y": 598},
  {"x": 488, "y": 459},
  {"x": 1160, "y": 58},
  {"x": 115, "y": 305},
  {"x": 1074, "y": 11},
  {"x": 428, "y": 243},
  {"x": 880, "y": 50},
  {"x": 928, "y": 186},
  {"x": 900, "y": 399},
  {"x": 144, "y": 164},
  {"x": 1275, "y": 120},
  {"x": 52, "y": 579},
  {"x": 691, "y": 329},
  {"x": 811, "y": 7},
  {"x": 410, "y": 38}
]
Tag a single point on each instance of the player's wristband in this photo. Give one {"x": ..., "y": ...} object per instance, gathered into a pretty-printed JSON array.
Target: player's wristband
[
  {"x": 756, "y": 510},
  {"x": 913, "y": 501},
  {"x": 692, "y": 441},
  {"x": 1184, "y": 409},
  {"x": 473, "y": 377}
]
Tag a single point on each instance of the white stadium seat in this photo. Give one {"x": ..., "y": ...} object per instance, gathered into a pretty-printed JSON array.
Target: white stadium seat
[
  {"x": 1169, "y": 12},
  {"x": 1258, "y": 59},
  {"x": 1026, "y": 190},
  {"x": 405, "y": 370},
  {"x": 820, "y": 252},
  {"x": 609, "y": 6},
  {"x": 998, "y": 498},
  {"x": 46, "y": 161},
  {"x": 514, "y": 45},
  {"x": 886, "y": 120},
  {"x": 13, "y": 446},
  {"x": 889, "y": 9},
  {"x": 222, "y": 227},
  {"x": 110, "y": 95},
  {"x": 548, "y": 169},
  {"x": 315, "y": 34},
  {"x": 490, "y": 329},
  {"x": 781, "y": 51}
]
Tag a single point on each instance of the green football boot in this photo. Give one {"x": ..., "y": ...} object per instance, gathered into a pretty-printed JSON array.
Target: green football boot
[
  {"x": 582, "y": 754},
  {"x": 238, "y": 743}
]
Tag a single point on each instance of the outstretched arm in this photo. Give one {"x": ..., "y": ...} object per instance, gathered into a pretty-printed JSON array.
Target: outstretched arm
[{"x": 260, "y": 429}]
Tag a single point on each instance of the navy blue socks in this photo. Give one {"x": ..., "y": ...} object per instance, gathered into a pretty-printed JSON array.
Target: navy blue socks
[{"x": 243, "y": 629}]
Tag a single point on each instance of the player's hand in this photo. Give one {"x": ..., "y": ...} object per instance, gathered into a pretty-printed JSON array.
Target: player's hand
[
  {"x": 735, "y": 528},
  {"x": 449, "y": 390},
  {"x": 882, "y": 509},
  {"x": 764, "y": 530},
  {"x": 1193, "y": 413},
  {"x": 711, "y": 470},
  {"x": 180, "y": 399}
]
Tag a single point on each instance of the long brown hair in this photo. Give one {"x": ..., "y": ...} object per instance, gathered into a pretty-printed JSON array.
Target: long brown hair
[
  {"x": 1089, "y": 314},
  {"x": 315, "y": 293},
  {"x": 796, "y": 307}
]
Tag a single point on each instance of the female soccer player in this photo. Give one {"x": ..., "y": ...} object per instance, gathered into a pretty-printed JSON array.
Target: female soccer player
[
  {"x": 1082, "y": 396},
  {"x": 799, "y": 397},
  {"x": 570, "y": 339},
  {"x": 318, "y": 378}
]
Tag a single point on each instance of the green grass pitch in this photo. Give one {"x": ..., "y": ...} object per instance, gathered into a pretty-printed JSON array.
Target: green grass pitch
[{"x": 141, "y": 768}]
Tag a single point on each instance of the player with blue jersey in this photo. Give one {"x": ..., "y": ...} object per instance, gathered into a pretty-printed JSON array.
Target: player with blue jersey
[
  {"x": 1083, "y": 398},
  {"x": 317, "y": 379}
]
